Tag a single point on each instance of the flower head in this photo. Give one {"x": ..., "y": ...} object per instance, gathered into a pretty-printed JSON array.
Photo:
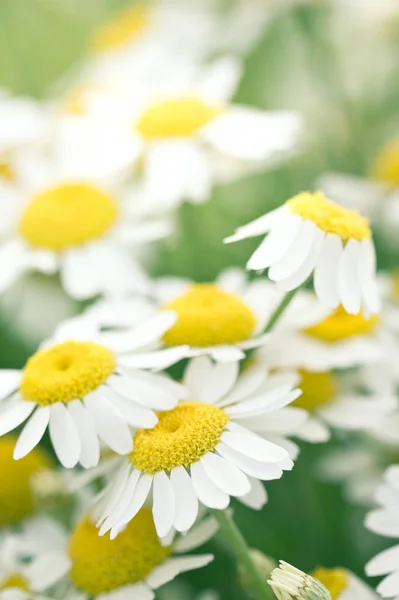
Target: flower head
[{"x": 311, "y": 234}]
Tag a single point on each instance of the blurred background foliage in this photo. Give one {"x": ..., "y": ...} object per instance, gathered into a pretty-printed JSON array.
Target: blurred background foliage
[{"x": 301, "y": 62}]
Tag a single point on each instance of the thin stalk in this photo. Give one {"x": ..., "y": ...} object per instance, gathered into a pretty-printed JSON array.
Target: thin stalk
[
  {"x": 241, "y": 550},
  {"x": 278, "y": 311}
]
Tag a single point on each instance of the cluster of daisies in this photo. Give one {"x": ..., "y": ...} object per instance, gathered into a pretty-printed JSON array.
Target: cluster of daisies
[{"x": 153, "y": 402}]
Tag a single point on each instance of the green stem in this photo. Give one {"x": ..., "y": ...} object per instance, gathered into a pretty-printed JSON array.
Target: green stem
[
  {"x": 278, "y": 311},
  {"x": 241, "y": 550}
]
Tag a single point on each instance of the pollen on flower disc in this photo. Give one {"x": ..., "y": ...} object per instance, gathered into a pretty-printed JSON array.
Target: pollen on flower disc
[
  {"x": 180, "y": 438},
  {"x": 100, "y": 564},
  {"x": 67, "y": 215},
  {"x": 66, "y": 372},
  {"x": 329, "y": 216},
  {"x": 341, "y": 325},
  {"x": 208, "y": 316},
  {"x": 16, "y": 497}
]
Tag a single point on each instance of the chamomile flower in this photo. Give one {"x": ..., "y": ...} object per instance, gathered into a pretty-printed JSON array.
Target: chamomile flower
[
  {"x": 187, "y": 130},
  {"x": 220, "y": 319},
  {"x": 289, "y": 583},
  {"x": 311, "y": 234},
  {"x": 40, "y": 542},
  {"x": 17, "y": 500},
  {"x": 136, "y": 563},
  {"x": 82, "y": 387},
  {"x": 220, "y": 443},
  {"x": 385, "y": 521},
  {"x": 66, "y": 221}
]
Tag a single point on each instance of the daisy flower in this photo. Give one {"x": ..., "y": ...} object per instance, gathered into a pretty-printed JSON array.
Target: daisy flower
[
  {"x": 220, "y": 319},
  {"x": 385, "y": 522},
  {"x": 220, "y": 443},
  {"x": 31, "y": 560},
  {"x": 289, "y": 583},
  {"x": 17, "y": 498},
  {"x": 84, "y": 385},
  {"x": 189, "y": 134},
  {"x": 66, "y": 221},
  {"x": 136, "y": 563},
  {"x": 311, "y": 234}
]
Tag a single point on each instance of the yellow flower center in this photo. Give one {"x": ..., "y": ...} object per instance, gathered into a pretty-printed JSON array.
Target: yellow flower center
[
  {"x": 100, "y": 565},
  {"x": 180, "y": 438},
  {"x": 341, "y": 325},
  {"x": 208, "y": 316},
  {"x": 67, "y": 215},
  {"x": 395, "y": 285},
  {"x": 16, "y": 498},
  {"x": 335, "y": 580},
  {"x": 317, "y": 389},
  {"x": 121, "y": 29},
  {"x": 330, "y": 217},
  {"x": 66, "y": 372},
  {"x": 175, "y": 118},
  {"x": 385, "y": 167},
  {"x": 6, "y": 172},
  {"x": 14, "y": 581}
]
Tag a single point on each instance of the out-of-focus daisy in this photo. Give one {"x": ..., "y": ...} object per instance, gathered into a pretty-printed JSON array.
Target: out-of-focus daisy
[
  {"x": 289, "y": 583},
  {"x": 385, "y": 521},
  {"x": 31, "y": 560},
  {"x": 190, "y": 134},
  {"x": 82, "y": 385},
  {"x": 17, "y": 500},
  {"x": 64, "y": 220},
  {"x": 221, "y": 443},
  {"x": 136, "y": 563},
  {"x": 221, "y": 319},
  {"x": 311, "y": 234}
]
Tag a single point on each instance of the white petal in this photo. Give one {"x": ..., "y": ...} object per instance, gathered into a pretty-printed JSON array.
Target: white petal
[
  {"x": 389, "y": 586},
  {"x": 64, "y": 436},
  {"x": 46, "y": 570},
  {"x": 385, "y": 562},
  {"x": 250, "y": 466},
  {"x": 225, "y": 353},
  {"x": 33, "y": 432},
  {"x": 275, "y": 244},
  {"x": 122, "y": 502},
  {"x": 367, "y": 277},
  {"x": 174, "y": 566},
  {"x": 256, "y": 497},
  {"x": 197, "y": 536},
  {"x": 313, "y": 431},
  {"x": 219, "y": 382},
  {"x": 348, "y": 284},
  {"x": 208, "y": 493},
  {"x": 196, "y": 374},
  {"x": 80, "y": 273},
  {"x": 247, "y": 384},
  {"x": 148, "y": 332},
  {"x": 9, "y": 381},
  {"x": 186, "y": 501},
  {"x": 139, "y": 497},
  {"x": 90, "y": 450},
  {"x": 326, "y": 272},
  {"x": 158, "y": 359},
  {"x": 291, "y": 260},
  {"x": 253, "y": 446},
  {"x": 109, "y": 425},
  {"x": 259, "y": 226},
  {"x": 145, "y": 393},
  {"x": 307, "y": 267},
  {"x": 262, "y": 403},
  {"x": 138, "y": 591},
  {"x": 133, "y": 413},
  {"x": 384, "y": 521},
  {"x": 13, "y": 413},
  {"x": 163, "y": 508},
  {"x": 115, "y": 491},
  {"x": 225, "y": 475}
]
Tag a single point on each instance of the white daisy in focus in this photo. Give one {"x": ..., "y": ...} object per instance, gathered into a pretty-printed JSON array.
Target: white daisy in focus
[
  {"x": 385, "y": 521},
  {"x": 84, "y": 385},
  {"x": 222, "y": 442},
  {"x": 65, "y": 220},
  {"x": 308, "y": 235},
  {"x": 220, "y": 319},
  {"x": 289, "y": 583},
  {"x": 135, "y": 564},
  {"x": 40, "y": 542},
  {"x": 189, "y": 134}
]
